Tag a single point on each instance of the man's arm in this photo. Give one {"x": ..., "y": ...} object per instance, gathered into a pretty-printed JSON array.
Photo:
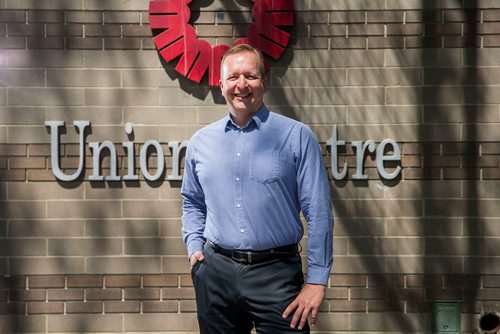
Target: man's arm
[
  {"x": 314, "y": 197},
  {"x": 194, "y": 210}
]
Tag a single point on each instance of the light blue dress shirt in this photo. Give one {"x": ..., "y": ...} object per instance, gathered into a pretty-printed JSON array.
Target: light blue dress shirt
[{"x": 244, "y": 188}]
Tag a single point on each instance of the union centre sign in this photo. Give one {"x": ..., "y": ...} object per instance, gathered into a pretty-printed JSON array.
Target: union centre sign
[{"x": 387, "y": 151}]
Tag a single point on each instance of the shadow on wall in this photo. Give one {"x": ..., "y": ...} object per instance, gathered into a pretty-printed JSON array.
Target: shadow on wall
[{"x": 439, "y": 224}]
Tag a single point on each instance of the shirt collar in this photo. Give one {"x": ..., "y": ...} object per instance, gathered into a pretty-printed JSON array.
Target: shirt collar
[{"x": 257, "y": 119}]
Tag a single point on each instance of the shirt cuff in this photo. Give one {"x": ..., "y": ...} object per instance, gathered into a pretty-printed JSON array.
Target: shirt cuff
[
  {"x": 318, "y": 276},
  {"x": 195, "y": 245}
]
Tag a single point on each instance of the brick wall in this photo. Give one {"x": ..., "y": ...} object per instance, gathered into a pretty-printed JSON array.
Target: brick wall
[{"x": 105, "y": 257}]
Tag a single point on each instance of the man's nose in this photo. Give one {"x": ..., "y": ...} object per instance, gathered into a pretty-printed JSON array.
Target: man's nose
[{"x": 242, "y": 81}]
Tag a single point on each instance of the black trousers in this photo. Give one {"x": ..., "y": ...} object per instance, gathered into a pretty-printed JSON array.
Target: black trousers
[{"x": 232, "y": 298}]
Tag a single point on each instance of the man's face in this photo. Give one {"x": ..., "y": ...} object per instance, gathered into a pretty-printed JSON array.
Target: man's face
[{"x": 241, "y": 83}]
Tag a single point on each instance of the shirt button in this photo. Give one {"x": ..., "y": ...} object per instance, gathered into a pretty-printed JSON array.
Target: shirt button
[
  {"x": 238, "y": 154},
  {"x": 238, "y": 205},
  {"x": 237, "y": 178},
  {"x": 242, "y": 231}
]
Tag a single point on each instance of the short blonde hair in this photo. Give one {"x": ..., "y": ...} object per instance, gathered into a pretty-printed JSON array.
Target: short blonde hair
[{"x": 240, "y": 48}]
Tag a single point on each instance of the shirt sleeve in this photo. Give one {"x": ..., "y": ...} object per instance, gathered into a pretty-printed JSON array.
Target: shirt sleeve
[
  {"x": 314, "y": 197},
  {"x": 194, "y": 210}
]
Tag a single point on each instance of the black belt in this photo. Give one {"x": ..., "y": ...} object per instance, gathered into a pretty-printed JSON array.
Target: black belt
[{"x": 250, "y": 257}]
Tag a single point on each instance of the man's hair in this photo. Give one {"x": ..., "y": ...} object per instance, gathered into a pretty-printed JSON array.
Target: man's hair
[{"x": 241, "y": 48}]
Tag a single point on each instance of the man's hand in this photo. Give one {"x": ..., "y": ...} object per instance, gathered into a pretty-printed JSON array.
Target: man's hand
[
  {"x": 196, "y": 257},
  {"x": 307, "y": 301}
]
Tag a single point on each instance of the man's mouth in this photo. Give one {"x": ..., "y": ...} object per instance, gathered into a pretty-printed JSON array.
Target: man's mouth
[{"x": 242, "y": 96}]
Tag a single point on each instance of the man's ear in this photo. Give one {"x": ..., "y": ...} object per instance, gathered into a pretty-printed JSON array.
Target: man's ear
[{"x": 221, "y": 85}]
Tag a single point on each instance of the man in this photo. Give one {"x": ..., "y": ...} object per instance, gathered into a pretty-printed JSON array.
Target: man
[{"x": 246, "y": 179}]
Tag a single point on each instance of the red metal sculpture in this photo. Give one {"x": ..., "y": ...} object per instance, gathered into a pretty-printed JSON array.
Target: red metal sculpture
[{"x": 177, "y": 38}]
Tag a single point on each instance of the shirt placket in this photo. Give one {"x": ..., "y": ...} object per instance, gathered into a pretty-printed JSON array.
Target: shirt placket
[{"x": 239, "y": 156}]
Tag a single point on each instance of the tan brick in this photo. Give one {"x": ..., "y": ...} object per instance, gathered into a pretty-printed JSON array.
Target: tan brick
[
  {"x": 83, "y": 78},
  {"x": 22, "y": 77},
  {"x": 424, "y": 227},
  {"x": 481, "y": 227},
  {"x": 168, "y": 306},
  {"x": 380, "y": 208},
  {"x": 136, "y": 30},
  {"x": 186, "y": 280},
  {"x": 391, "y": 281},
  {"x": 161, "y": 115},
  {"x": 12, "y": 308},
  {"x": 85, "y": 209},
  {"x": 160, "y": 322},
  {"x": 160, "y": 280},
  {"x": 197, "y": 96},
  {"x": 425, "y": 189},
  {"x": 154, "y": 246},
  {"x": 97, "y": 115},
  {"x": 84, "y": 281},
  {"x": 175, "y": 265},
  {"x": 123, "y": 265},
  {"x": 103, "y": 294},
  {"x": 122, "y": 43},
  {"x": 121, "y": 59},
  {"x": 71, "y": 294},
  {"x": 170, "y": 228},
  {"x": 83, "y": 307},
  {"x": 385, "y": 306},
  {"x": 308, "y": 78},
  {"x": 142, "y": 294},
  {"x": 141, "y": 77},
  {"x": 123, "y": 281},
  {"x": 121, "y": 17},
  {"x": 121, "y": 228},
  {"x": 384, "y": 77},
  {"x": 88, "y": 322},
  {"x": 178, "y": 133},
  {"x": 83, "y": 17},
  {"x": 120, "y": 193},
  {"x": 46, "y": 96},
  {"x": 154, "y": 209},
  {"x": 85, "y": 247},
  {"x": 186, "y": 306},
  {"x": 417, "y": 264},
  {"x": 121, "y": 97},
  {"x": 23, "y": 323},
  {"x": 87, "y": 43},
  {"x": 45, "y": 308},
  {"x": 348, "y": 306},
  {"x": 26, "y": 295},
  {"x": 46, "y": 266},
  {"x": 426, "y": 133},
  {"x": 37, "y": 282},
  {"x": 64, "y": 30},
  {"x": 177, "y": 293},
  {"x": 387, "y": 322},
  {"x": 386, "y": 246},
  {"x": 347, "y": 96},
  {"x": 122, "y": 307},
  {"x": 99, "y": 30},
  {"x": 22, "y": 115},
  {"x": 462, "y": 208},
  {"x": 23, "y": 209},
  {"x": 25, "y": 191},
  {"x": 46, "y": 228},
  {"x": 116, "y": 5}
]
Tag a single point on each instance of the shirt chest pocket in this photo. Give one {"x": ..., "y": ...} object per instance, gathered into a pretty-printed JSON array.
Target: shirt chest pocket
[{"x": 264, "y": 166}]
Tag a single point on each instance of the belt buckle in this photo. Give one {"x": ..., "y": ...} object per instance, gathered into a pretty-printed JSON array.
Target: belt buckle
[{"x": 243, "y": 257}]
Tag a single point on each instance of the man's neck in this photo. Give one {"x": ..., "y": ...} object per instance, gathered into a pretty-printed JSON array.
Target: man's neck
[{"x": 242, "y": 118}]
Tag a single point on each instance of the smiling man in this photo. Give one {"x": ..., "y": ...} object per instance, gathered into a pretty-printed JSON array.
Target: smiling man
[{"x": 247, "y": 178}]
